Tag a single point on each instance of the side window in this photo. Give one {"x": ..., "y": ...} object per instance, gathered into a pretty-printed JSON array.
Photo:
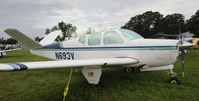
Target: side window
[
  {"x": 94, "y": 39},
  {"x": 112, "y": 37},
  {"x": 82, "y": 39}
]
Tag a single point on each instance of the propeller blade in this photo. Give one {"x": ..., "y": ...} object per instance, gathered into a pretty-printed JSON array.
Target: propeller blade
[{"x": 182, "y": 58}]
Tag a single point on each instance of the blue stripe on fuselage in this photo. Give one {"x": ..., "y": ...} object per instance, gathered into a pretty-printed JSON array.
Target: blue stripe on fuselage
[
  {"x": 110, "y": 48},
  {"x": 54, "y": 45}
]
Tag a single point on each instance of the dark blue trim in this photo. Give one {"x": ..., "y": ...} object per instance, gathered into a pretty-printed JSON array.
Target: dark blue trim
[
  {"x": 111, "y": 48},
  {"x": 54, "y": 45},
  {"x": 22, "y": 66}
]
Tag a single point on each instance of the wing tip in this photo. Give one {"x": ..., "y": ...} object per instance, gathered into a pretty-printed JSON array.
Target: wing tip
[{"x": 7, "y": 30}]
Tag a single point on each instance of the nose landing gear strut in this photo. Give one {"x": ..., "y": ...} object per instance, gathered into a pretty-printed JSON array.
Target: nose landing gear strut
[{"x": 173, "y": 79}]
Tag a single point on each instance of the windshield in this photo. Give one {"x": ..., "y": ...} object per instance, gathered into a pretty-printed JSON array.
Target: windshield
[
  {"x": 82, "y": 39},
  {"x": 112, "y": 37},
  {"x": 94, "y": 39},
  {"x": 130, "y": 35}
]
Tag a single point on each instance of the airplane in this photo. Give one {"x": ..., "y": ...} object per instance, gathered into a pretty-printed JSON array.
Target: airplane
[
  {"x": 3, "y": 52},
  {"x": 91, "y": 53}
]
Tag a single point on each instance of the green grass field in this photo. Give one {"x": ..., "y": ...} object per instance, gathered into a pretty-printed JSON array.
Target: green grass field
[{"x": 115, "y": 85}]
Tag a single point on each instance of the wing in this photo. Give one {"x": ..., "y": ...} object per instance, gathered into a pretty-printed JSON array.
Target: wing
[
  {"x": 28, "y": 43},
  {"x": 68, "y": 63}
]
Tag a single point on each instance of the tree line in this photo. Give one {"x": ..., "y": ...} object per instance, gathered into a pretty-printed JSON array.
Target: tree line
[
  {"x": 147, "y": 24},
  {"x": 151, "y": 23},
  {"x": 8, "y": 41}
]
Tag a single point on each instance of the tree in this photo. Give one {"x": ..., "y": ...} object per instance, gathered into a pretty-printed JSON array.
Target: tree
[
  {"x": 146, "y": 24},
  {"x": 67, "y": 29},
  {"x": 90, "y": 30},
  {"x": 54, "y": 28},
  {"x": 8, "y": 41},
  {"x": 11, "y": 41},
  {"x": 3, "y": 41},
  {"x": 171, "y": 24},
  {"x": 47, "y": 31},
  {"x": 193, "y": 24},
  {"x": 38, "y": 39}
]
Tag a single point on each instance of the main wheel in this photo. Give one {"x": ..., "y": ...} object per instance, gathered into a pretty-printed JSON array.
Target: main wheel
[
  {"x": 128, "y": 69},
  {"x": 174, "y": 80}
]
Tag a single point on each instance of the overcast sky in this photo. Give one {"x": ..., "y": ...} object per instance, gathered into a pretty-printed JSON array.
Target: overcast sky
[{"x": 34, "y": 16}]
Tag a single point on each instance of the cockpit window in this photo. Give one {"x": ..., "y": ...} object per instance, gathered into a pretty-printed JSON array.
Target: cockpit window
[
  {"x": 82, "y": 39},
  {"x": 94, "y": 39},
  {"x": 130, "y": 35},
  {"x": 112, "y": 37}
]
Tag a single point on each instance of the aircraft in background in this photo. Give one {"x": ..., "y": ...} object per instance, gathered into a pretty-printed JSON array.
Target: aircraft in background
[
  {"x": 92, "y": 52},
  {"x": 3, "y": 52}
]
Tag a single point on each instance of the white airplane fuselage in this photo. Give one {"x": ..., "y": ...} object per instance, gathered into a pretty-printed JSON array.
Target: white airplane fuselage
[{"x": 150, "y": 52}]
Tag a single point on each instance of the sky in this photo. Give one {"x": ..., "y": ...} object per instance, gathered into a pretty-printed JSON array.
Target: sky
[{"x": 33, "y": 16}]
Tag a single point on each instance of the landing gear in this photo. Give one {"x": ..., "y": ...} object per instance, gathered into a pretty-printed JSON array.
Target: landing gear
[
  {"x": 128, "y": 69},
  {"x": 173, "y": 79},
  {"x": 132, "y": 69}
]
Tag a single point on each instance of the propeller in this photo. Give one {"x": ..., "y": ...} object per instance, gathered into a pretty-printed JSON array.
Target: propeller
[
  {"x": 181, "y": 52},
  {"x": 182, "y": 58}
]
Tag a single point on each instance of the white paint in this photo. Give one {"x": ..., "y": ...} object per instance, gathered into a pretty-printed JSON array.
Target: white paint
[
  {"x": 72, "y": 63},
  {"x": 50, "y": 38},
  {"x": 168, "y": 67},
  {"x": 92, "y": 75},
  {"x": 150, "y": 57}
]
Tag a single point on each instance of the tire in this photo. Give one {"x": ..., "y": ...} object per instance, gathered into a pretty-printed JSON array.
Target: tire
[
  {"x": 174, "y": 80},
  {"x": 128, "y": 69}
]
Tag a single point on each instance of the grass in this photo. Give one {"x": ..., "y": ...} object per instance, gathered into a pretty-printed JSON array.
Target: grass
[{"x": 115, "y": 85}]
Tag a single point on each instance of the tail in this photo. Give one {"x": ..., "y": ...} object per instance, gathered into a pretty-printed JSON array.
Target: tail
[
  {"x": 25, "y": 41},
  {"x": 28, "y": 43},
  {"x": 50, "y": 38}
]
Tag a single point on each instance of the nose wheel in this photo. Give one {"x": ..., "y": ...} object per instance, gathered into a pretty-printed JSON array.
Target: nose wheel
[
  {"x": 131, "y": 69},
  {"x": 173, "y": 79},
  {"x": 128, "y": 69}
]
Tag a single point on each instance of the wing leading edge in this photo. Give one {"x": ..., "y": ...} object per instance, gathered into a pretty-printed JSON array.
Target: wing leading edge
[{"x": 67, "y": 63}]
